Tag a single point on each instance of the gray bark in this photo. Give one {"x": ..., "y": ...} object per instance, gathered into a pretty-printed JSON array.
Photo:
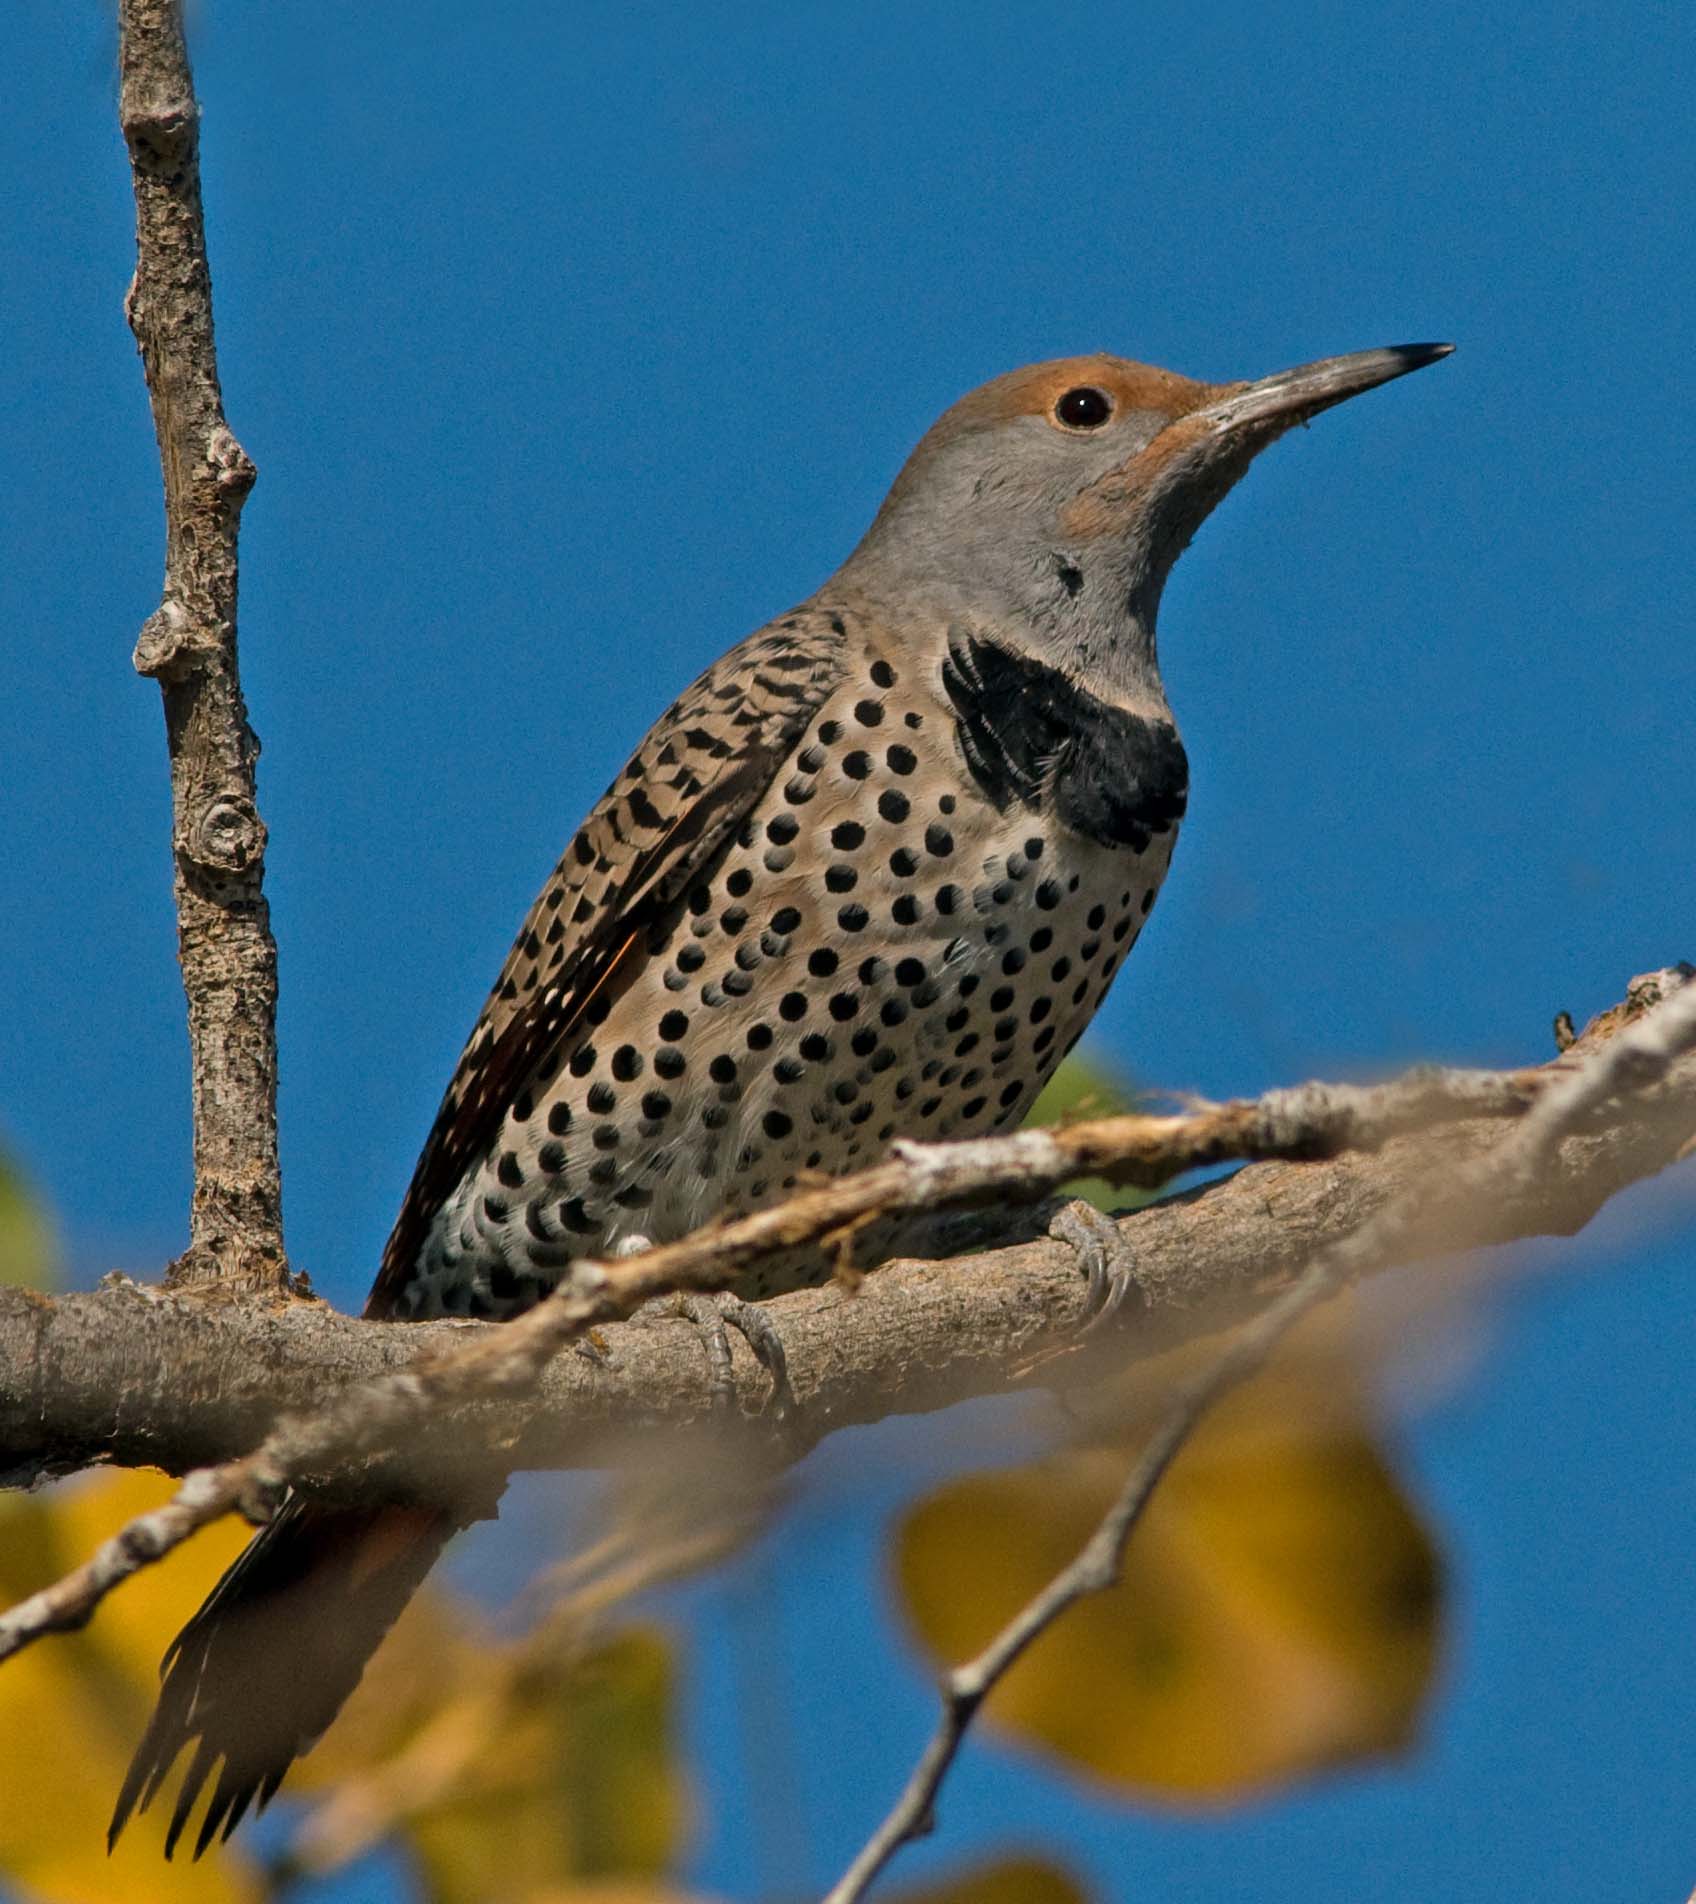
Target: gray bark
[
  {"x": 188, "y": 645},
  {"x": 177, "y": 1380}
]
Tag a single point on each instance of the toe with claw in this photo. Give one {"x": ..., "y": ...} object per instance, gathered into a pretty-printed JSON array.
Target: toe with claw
[
  {"x": 1106, "y": 1259},
  {"x": 716, "y": 1313},
  {"x": 713, "y": 1315}
]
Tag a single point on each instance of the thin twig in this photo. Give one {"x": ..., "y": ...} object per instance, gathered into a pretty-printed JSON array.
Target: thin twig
[
  {"x": 229, "y": 959},
  {"x": 205, "y": 1496},
  {"x": 1635, "y": 1059},
  {"x": 370, "y": 1417},
  {"x": 1096, "y": 1567}
]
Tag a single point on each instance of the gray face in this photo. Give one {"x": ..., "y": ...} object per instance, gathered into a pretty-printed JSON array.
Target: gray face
[
  {"x": 1048, "y": 507},
  {"x": 1024, "y": 512},
  {"x": 983, "y": 519}
]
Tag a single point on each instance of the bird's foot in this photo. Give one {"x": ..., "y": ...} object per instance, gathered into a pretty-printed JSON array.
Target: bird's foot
[
  {"x": 714, "y": 1315},
  {"x": 1107, "y": 1260}
]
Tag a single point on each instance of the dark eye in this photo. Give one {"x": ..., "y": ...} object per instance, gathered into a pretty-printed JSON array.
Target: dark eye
[{"x": 1085, "y": 409}]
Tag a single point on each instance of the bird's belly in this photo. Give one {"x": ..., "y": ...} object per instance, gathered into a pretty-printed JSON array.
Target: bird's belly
[{"x": 763, "y": 1044}]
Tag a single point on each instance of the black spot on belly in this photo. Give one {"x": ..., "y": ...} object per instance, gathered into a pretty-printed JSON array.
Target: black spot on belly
[{"x": 1029, "y": 736}]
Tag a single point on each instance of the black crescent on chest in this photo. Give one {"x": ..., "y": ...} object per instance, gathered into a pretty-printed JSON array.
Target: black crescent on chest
[{"x": 1029, "y": 736}]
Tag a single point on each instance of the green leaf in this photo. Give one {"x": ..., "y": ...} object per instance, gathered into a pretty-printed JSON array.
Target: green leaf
[{"x": 1084, "y": 1087}]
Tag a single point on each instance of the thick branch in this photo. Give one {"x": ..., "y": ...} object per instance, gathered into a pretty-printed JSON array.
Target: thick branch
[
  {"x": 188, "y": 645},
  {"x": 1541, "y": 1181},
  {"x": 1619, "y": 1105},
  {"x": 136, "y": 1377}
]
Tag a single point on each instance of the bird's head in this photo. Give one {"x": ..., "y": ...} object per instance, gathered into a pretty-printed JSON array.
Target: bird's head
[{"x": 1052, "y": 502}]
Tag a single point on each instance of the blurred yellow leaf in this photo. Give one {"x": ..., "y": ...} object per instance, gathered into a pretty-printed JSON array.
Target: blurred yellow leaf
[
  {"x": 510, "y": 1771},
  {"x": 73, "y": 1705},
  {"x": 617, "y": 1891},
  {"x": 580, "y": 1782},
  {"x": 1278, "y": 1611},
  {"x": 512, "y": 1768},
  {"x": 1005, "y": 1881},
  {"x": 29, "y": 1249}
]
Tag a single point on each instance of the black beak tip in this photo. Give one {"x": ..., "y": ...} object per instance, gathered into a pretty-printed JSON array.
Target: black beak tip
[{"x": 1417, "y": 356}]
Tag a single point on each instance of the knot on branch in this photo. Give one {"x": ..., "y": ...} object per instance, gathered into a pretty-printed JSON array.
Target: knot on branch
[
  {"x": 226, "y": 836},
  {"x": 1649, "y": 989},
  {"x": 233, "y": 469},
  {"x": 1311, "y": 1120},
  {"x": 171, "y": 643},
  {"x": 162, "y": 135}
]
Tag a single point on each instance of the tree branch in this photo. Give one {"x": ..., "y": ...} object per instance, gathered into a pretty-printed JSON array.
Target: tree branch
[
  {"x": 444, "y": 1409},
  {"x": 1640, "y": 1056},
  {"x": 188, "y": 645}
]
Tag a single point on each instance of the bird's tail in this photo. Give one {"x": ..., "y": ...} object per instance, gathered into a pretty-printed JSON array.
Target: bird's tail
[{"x": 265, "y": 1665}]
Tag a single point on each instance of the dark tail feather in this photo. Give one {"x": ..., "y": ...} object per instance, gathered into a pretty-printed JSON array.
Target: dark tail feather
[{"x": 269, "y": 1660}]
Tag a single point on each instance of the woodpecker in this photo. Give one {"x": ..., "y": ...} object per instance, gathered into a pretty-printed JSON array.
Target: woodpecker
[{"x": 869, "y": 877}]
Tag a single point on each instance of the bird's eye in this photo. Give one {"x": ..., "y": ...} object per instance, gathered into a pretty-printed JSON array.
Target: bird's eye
[{"x": 1084, "y": 409}]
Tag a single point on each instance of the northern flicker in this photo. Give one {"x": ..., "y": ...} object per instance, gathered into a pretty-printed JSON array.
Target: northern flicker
[{"x": 870, "y": 876}]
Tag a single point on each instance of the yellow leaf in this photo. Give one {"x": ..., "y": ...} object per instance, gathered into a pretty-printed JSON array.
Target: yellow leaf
[
  {"x": 621, "y": 1891},
  {"x": 1278, "y": 1612},
  {"x": 29, "y": 1250},
  {"x": 510, "y": 1767},
  {"x": 73, "y": 1705},
  {"x": 1005, "y": 1881}
]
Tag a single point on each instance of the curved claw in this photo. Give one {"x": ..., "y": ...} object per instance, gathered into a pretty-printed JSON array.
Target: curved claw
[
  {"x": 1107, "y": 1260},
  {"x": 711, "y": 1314}
]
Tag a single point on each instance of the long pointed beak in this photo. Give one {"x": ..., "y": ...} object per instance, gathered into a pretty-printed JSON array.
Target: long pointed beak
[
  {"x": 1155, "y": 502},
  {"x": 1291, "y": 396}
]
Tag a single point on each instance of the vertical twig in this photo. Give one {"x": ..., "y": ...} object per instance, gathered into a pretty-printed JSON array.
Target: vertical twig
[{"x": 188, "y": 645}]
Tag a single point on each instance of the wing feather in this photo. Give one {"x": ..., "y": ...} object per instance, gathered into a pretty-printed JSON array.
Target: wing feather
[{"x": 676, "y": 806}]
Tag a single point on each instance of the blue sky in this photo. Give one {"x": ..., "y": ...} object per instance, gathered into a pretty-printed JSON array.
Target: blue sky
[{"x": 570, "y": 348}]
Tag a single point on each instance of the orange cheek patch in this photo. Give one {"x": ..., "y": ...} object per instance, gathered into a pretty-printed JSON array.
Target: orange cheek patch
[{"x": 1114, "y": 500}]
